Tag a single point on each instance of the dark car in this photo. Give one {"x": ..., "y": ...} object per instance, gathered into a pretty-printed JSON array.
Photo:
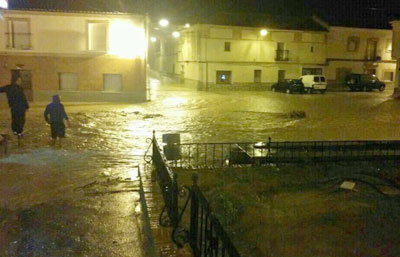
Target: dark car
[
  {"x": 364, "y": 82},
  {"x": 289, "y": 86}
]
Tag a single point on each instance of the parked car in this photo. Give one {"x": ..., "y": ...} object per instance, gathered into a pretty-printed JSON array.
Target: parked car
[
  {"x": 364, "y": 82},
  {"x": 314, "y": 83},
  {"x": 289, "y": 86}
]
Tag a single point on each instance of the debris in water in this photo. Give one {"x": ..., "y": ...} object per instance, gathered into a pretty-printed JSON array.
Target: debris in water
[{"x": 297, "y": 114}]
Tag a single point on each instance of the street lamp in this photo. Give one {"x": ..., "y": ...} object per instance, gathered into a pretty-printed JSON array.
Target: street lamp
[
  {"x": 163, "y": 23},
  {"x": 263, "y": 32},
  {"x": 187, "y": 25},
  {"x": 176, "y": 34}
]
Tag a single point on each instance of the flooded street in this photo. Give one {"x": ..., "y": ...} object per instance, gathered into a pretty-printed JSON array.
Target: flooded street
[{"x": 82, "y": 199}]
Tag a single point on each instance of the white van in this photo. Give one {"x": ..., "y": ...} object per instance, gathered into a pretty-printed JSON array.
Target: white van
[{"x": 314, "y": 83}]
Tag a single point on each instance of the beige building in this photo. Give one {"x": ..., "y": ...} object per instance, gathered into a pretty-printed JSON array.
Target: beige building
[
  {"x": 82, "y": 56},
  {"x": 216, "y": 55},
  {"x": 242, "y": 56},
  {"x": 359, "y": 50}
]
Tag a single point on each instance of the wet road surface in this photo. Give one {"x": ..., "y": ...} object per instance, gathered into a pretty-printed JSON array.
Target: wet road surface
[{"x": 82, "y": 199}]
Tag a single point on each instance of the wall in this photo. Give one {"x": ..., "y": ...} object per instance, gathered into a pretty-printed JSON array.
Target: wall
[
  {"x": 60, "y": 44},
  {"x": 337, "y": 42},
  {"x": 250, "y": 51}
]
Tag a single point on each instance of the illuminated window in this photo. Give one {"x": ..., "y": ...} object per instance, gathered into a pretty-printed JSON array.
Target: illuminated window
[
  {"x": 19, "y": 35},
  {"x": 227, "y": 46},
  {"x": 97, "y": 35},
  {"x": 224, "y": 77},
  {"x": 352, "y": 44},
  {"x": 112, "y": 82},
  {"x": 68, "y": 81}
]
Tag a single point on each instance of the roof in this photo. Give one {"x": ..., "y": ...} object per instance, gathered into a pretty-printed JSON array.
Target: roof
[
  {"x": 303, "y": 23},
  {"x": 78, "y": 6}
]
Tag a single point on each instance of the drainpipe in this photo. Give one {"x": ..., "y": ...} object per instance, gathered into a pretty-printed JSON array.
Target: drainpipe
[{"x": 396, "y": 55}]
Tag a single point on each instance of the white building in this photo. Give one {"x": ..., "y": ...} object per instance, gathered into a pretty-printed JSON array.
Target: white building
[{"x": 209, "y": 54}]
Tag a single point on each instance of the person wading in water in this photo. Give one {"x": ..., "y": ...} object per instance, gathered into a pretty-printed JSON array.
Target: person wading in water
[{"x": 17, "y": 103}]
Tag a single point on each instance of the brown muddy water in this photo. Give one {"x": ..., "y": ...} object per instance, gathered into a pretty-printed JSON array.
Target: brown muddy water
[{"x": 82, "y": 199}]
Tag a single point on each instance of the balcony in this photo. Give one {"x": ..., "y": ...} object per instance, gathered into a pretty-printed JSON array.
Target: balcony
[{"x": 282, "y": 55}]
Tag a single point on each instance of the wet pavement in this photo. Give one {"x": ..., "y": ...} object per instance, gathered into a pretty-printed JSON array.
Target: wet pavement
[{"x": 83, "y": 200}]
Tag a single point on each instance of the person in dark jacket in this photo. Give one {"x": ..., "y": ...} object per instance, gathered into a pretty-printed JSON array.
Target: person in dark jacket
[
  {"x": 17, "y": 103},
  {"x": 55, "y": 115}
]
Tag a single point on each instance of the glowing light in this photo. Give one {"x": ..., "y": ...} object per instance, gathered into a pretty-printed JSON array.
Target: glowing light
[
  {"x": 263, "y": 32},
  {"x": 153, "y": 39},
  {"x": 4, "y": 4},
  {"x": 187, "y": 25},
  {"x": 126, "y": 40},
  {"x": 176, "y": 34},
  {"x": 163, "y": 22}
]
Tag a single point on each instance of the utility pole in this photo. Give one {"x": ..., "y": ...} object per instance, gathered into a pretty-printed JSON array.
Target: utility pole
[{"x": 396, "y": 56}]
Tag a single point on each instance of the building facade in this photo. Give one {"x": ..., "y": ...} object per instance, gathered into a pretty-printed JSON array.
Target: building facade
[
  {"x": 82, "y": 56},
  {"x": 215, "y": 56},
  {"x": 359, "y": 50}
]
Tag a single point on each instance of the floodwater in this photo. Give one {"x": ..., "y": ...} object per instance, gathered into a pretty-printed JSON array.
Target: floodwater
[{"x": 82, "y": 200}]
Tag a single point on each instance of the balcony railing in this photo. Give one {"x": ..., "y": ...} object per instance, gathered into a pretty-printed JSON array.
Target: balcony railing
[{"x": 282, "y": 55}]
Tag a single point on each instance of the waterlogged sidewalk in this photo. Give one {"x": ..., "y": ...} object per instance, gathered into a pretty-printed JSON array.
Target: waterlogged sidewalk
[{"x": 102, "y": 218}]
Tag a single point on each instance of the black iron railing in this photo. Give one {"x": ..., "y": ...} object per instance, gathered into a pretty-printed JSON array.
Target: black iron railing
[
  {"x": 167, "y": 181},
  {"x": 217, "y": 155},
  {"x": 207, "y": 236},
  {"x": 205, "y": 233}
]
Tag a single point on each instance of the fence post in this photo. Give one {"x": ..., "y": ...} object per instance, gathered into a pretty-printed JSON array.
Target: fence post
[
  {"x": 174, "y": 211},
  {"x": 194, "y": 213}
]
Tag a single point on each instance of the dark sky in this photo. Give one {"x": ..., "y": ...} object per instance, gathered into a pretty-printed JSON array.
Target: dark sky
[{"x": 350, "y": 11}]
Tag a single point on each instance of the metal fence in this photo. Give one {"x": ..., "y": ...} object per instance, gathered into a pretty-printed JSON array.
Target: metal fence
[
  {"x": 167, "y": 181},
  {"x": 217, "y": 155},
  {"x": 205, "y": 234}
]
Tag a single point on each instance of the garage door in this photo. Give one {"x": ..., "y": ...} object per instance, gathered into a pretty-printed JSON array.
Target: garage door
[
  {"x": 69, "y": 81},
  {"x": 112, "y": 82}
]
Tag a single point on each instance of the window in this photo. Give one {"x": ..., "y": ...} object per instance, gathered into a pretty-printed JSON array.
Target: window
[
  {"x": 112, "y": 82},
  {"x": 227, "y": 46},
  {"x": 19, "y": 36},
  {"x": 224, "y": 77},
  {"x": 281, "y": 53},
  {"x": 388, "y": 45},
  {"x": 257, "y": 76},
  {"x": 97, "y": 36},
  {"x": 352, "y": 44},
  {"x": 68, "y": 81},
  {"x": 316, "y": 79},
  {"x": 312, "y": 49},
  {"x": 388, "y": 76}
]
